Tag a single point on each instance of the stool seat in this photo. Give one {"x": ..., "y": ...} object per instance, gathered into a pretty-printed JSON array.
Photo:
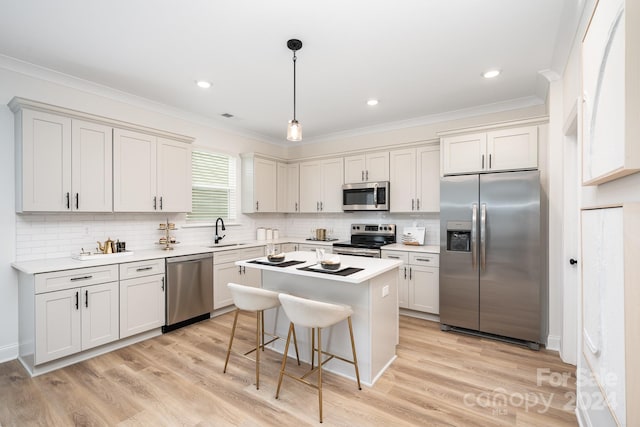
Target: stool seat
[
  {"x": 249, "y": 298},
  {"x": 313, "y": 314}
]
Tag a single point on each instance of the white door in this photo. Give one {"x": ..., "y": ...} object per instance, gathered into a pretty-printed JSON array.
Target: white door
[
  {"x": 332, "y": 181},
  {"x": 377, "y": 166},
  {"x": 174, "y": 176},
  {"x": 134, "y": 172},
  {"x": 310, "y": 186},
  {"x": 57, "y": 325},
  {"x": 265, "y": 183},
  {"x": 402, "y": 178},
  {"x": 46, "y": 162},
  {"x": 571, "y": 246},
  {"x": 222, "y": 275},
  {"x": 100, "y": 314},
  {"x": 511, "y": 149},
  {"x": 428, "y": 179},
  {"x": 281, "y": 189},
  {"x": 464, "y": 153},
  {"x": 91, "y": 167},
  {"x": 354, "y": 169},
  {"x": 424, "y": 290},
  {"x": 142, "y": 304},
  {"x": 293, "y": 188}
]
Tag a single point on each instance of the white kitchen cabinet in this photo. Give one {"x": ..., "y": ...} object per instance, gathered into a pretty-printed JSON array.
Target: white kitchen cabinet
[
  {"x": 288, "y": 187},
  {"x": 62, "y": 164},
  {"x": 415, "y": 179},
  {"x": 72, "y": 320},
  {"x": 418, "y": 285},
  {"x": 259, "y": 184},
  {"x": 142, "y": 296},
  {"x": 289, "y": 247},
  {"x": 321, "y": 185},
  {"x": 496, "y": 150},
  {"x": 366, "y": 167},
  {"x": 304, "y": 247},
  {"x": 151, "y": 174},
  {"x": 225, "y": 271}
]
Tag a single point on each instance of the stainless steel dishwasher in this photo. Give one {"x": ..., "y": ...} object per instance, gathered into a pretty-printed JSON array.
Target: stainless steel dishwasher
[{"x": 189, "y": 290}]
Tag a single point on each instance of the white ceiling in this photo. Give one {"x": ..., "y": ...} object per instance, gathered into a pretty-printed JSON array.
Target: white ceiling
[{"x": 418, "y": 57}]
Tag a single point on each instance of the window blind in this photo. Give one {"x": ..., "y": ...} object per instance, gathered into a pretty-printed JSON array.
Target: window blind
[{"x": 213, "y": 187}]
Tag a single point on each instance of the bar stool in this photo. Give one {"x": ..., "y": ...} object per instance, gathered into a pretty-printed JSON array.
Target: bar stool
[
  {"x": 315, "y": 315},
  {"x": 256, "y": 300}
]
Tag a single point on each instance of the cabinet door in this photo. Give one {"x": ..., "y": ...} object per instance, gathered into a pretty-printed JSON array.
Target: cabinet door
[
  {"x": 174, "y": 176},
  {"x": 251, "y": 277},
  {"x": 265, "y": 182},
  {"x": 142, "y": 304},
  {"x": 464, "y": 153},
  {"x": 91, "y": 167},
  {"x": 424, "y": 289},
  {"x": 511, "y": 149},
  {"x": 100, "y": 314},
  {"x": 57, "y": 325},
  {"x": 293, "y": 188},
  {"x": 354, "y": 169},
  {"x": 403, "y": 287},
  {"x": 402, "y": 180},
  {"x": 310, "y": 186},
  {"x": 134, "y": 172},
  {"x": 428, "y": 179},
  {"x": 377, "y": 166},
  {"x": 222, "y": 275},
  {"x": 332, "y": 181},
  {"x": 306, "y": 247},
  {"x": 289, "y": 247},
  {"x": 281, "y": 191},
  {"x": 45, "y": 163}
]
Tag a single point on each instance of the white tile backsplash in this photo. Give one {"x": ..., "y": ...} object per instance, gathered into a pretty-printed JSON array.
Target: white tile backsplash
[{"x": 60, "y": 234}]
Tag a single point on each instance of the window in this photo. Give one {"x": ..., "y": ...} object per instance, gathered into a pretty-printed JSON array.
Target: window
[{"x": 213, "y": 187}]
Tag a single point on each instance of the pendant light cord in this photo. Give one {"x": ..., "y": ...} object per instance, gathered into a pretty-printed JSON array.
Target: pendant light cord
[{"x": 294, "y": 85}]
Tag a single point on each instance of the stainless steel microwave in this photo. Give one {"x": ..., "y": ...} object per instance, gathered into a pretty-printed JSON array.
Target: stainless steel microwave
[{"x": 366, "y": 196}]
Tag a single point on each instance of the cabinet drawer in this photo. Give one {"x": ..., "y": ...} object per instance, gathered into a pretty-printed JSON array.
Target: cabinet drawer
[
  {"x": 150, "y": 267},
  {"x": 402, "y": 256},
  {"x": 58, "y": 280},
  {"x": 237, "y": 255},
  {"x": 426, "y": 259}
]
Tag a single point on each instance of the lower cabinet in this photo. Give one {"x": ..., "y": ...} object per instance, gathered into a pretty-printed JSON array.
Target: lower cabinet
[
  {"x": 76, "y": 319},
  {"x": 225, "y": 271},
  {"x": 418, "y": 284},
  {"x": 311, "y": 247},
  {"x": 142, "y": 297}
]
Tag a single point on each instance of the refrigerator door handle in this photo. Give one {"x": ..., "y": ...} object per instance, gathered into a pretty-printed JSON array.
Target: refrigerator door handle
[
  {"x": 483, "y": 237},
  {"x": 474, "y": 235}
]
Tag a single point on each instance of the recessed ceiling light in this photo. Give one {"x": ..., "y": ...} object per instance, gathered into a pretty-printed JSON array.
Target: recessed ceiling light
[
  {"x": 372, "y": 102},
  {"x": 203, "y": 84},
  {"x": 491, "y": 74}
]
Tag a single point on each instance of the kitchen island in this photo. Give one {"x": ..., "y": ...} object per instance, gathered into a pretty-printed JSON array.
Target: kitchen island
[{"x": 371, "y": 291}]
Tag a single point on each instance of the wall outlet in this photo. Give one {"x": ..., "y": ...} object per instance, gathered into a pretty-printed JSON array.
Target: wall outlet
[{"x": 385, "y": 290}]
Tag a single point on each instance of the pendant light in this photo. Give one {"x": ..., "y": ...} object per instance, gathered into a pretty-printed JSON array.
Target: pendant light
[{"x": 294, "y": 130}]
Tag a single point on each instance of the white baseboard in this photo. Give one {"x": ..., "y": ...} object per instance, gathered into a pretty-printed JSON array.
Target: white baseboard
[
  {"x": 553, "y": 342},
  {"x": 8, "y": 352}
]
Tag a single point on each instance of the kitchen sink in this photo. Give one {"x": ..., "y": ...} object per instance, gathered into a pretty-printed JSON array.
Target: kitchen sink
[{"x": 228, "y": 245}]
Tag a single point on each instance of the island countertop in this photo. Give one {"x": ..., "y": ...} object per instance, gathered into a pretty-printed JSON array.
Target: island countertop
[{"x": 372, "y": 267}]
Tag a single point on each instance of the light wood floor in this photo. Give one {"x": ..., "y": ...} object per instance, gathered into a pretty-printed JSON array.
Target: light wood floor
[{"x": 439, "y": 379}]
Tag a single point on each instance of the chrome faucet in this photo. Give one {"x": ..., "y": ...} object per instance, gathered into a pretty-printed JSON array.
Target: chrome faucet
[{"x": 217, "y": 238}]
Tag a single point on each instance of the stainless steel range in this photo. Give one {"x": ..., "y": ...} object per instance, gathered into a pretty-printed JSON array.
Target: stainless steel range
[{"x": 366, "y": 240}]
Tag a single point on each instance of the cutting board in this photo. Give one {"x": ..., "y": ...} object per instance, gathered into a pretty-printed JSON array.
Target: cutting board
[{"x": 413, "y": 236}]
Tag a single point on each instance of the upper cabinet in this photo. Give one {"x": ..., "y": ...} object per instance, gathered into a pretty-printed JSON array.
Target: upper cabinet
[
  {"x": 288, "y": 192},
  {"x": 62, "y": 164},
  {"x": 151, "y": 174},
  {"x": 321, "y": 185},
  {"x": 611, "y": 92},
  {"x": 366, "y": 167},
  {"x": 493, "y": 151},
  {"x": 259, "y": 184},
  {"x": 70, "y": 161},
  {"x": 415, "y": 179}
]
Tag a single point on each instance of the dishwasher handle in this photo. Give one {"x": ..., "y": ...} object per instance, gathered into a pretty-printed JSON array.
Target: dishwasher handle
[{"x": 190, "y": 258}]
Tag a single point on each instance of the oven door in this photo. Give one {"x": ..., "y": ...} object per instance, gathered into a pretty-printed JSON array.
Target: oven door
[
  {"x": 364, "y": 252},
  {"x": 366, "y": 196}
]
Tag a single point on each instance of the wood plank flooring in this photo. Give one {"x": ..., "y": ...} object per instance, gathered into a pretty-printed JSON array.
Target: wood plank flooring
[{"x": 438, "y": 379}]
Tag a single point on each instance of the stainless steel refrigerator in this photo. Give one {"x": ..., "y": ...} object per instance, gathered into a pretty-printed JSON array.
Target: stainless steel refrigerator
[{"x": 490, "y": 255}]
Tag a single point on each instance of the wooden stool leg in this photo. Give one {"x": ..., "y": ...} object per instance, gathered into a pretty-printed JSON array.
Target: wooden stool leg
[
  {"x": 262, "y": 322},
  {"x": 284, "y": 359},
  {"x": 313, "y": 347},
  {"x": 353, "y": 349},
  {"x": 320, "y": 372},
  {"x": 258, "y": 350},
  {"x": 295, "y": 345},
  {"x": 233, "y": 332}
]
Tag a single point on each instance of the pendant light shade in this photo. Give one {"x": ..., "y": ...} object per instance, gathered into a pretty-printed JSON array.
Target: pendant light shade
[{"x": 294, "y": 129}]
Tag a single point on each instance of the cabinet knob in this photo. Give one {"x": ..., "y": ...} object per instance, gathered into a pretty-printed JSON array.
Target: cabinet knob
[{"x": 573, "y": 261}]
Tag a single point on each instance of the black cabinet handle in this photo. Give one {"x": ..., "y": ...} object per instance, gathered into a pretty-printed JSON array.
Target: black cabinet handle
[
  {"x": 160, "y": 202},
  {"x": 68, "y": 206},
  {"x": 573, "y": 261},
  {"x": 489, "y": 161},
  {"x": 423, "y": 259},
  {"x": 143, "y": 268},
  {"x": 483, "y": 161},
  {"x": 405, "y": 272},
  {"x": 86, "y": 298},
  {"x": 77, "y": 200},
  {"x": 410, "y": 273},
  {"x": 76, "y": 300},
  {"x": 163, "y": 284},
  {"x": 154, "y": 203},
  {"x": 73, "y": 279}
]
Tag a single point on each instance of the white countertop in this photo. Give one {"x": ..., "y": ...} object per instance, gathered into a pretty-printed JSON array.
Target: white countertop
[
  {"x": 411, "y": 248},
  {"x": 372, "y": 267}
]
